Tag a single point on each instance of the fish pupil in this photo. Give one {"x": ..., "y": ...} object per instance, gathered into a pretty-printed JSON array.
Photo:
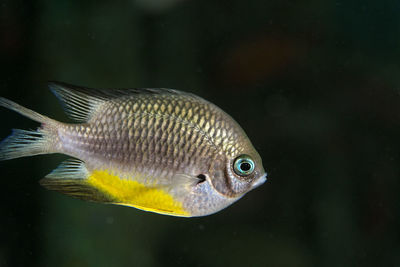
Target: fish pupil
[{"x": 245, "y": 166}]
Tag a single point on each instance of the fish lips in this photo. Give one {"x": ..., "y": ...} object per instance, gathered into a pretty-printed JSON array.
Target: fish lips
[{"x": 260, "y": 181}]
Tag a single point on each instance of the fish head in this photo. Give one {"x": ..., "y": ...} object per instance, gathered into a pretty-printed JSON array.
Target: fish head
[
  {"x": 228, "y": 179},
  {"x": 236, "y": 174}
]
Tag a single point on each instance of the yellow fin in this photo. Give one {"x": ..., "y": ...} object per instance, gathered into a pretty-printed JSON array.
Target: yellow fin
[{"x": 134, "y": 194}]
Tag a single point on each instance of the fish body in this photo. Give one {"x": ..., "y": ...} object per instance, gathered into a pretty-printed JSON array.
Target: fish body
[{"x": 158, "y": 150}]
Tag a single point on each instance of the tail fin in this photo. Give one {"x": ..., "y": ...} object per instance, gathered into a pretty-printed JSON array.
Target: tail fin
[
  {"x": 23, "y": 143},
  {"x": 23, "y": 111}
]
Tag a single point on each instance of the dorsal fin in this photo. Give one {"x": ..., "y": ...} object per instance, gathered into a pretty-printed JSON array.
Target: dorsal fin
[
  {"x": 78, "y": 104},
  {"x": 81, "y": 102}
]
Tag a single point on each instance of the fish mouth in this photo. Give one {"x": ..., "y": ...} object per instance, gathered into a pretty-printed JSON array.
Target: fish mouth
[{"x": 260, "y": 181}]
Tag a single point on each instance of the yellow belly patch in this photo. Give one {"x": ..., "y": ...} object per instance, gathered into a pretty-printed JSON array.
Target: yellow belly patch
[{"x": 135, "y": 194}]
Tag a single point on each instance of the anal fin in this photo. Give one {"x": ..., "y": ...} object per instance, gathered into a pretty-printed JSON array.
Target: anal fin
[{"x": 70, "y": 178}]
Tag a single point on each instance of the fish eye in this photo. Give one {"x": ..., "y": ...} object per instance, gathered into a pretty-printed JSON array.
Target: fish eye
[{"x": 243, "y": 165}]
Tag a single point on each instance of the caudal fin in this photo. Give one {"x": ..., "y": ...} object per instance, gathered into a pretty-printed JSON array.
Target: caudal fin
[
  {"x": 23, "y": 111},
  {"x": 23, "y": 143}
]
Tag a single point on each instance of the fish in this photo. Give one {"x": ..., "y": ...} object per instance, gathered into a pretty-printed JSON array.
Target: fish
[{"x": 158, "y": 150}]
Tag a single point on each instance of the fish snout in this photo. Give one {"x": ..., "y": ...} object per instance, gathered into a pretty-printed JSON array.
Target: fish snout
[{"x": 260, "y": 181}]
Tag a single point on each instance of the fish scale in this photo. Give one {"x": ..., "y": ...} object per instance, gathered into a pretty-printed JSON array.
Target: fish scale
[
  {"x": 158, "y": 150},
  {"x": 116, "y": 136}
]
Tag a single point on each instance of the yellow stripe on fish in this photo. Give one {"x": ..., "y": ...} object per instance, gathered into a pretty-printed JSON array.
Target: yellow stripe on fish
[{"x": 134, "y": 194}]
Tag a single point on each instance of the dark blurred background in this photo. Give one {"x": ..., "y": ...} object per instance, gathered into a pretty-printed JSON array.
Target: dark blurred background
[{"x": 315, "y": 84}]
